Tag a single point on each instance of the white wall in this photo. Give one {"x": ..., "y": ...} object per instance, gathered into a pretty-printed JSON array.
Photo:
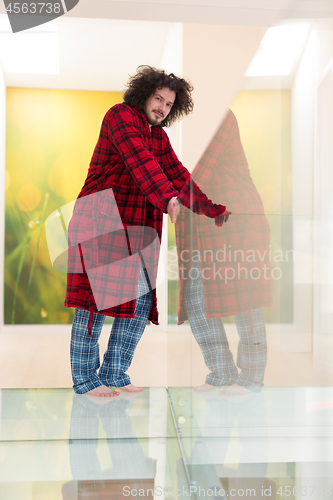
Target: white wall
[
  {"x": 302, "y": 121},
  {"x": 215, "y": 60},
  {"x": 312, "y": 177},
  {"x": 299, "y": 337},
  {"x": 323, "y": 200}
]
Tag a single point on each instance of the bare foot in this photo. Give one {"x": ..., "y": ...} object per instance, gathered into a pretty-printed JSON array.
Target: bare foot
[
  {"x": 102, "y": 392},
  {"x": 204, "y": 388},
  {"x": 130, "y": 388}
]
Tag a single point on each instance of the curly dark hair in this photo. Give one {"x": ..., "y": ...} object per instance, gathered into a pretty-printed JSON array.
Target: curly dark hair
[{"x": 144, "y": 83}]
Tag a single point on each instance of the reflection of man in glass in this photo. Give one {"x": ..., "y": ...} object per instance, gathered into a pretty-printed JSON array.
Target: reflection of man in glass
[
  {"x": 226, "y": 272},
  {"x": 208, "y": 460},
  {"x": 130, "y": 466},
  {"x": 107, "y": 271}
]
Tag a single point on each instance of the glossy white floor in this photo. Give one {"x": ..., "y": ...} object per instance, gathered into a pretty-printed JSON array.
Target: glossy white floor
[{"x": 277, "y": 443}]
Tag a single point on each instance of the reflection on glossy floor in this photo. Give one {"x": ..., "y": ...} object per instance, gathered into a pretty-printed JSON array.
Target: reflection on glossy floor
[{"x": 277, "y": 443}]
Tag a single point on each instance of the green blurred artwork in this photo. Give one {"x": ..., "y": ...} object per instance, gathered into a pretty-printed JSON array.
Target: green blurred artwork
[{"x": 51, "y": 135}]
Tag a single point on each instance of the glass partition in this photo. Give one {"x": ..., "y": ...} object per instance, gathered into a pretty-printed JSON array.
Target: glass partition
[{"x": 251, "y": 364}]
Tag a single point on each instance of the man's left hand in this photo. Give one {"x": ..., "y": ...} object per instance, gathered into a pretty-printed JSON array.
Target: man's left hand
[
  {"x": 222, "y": 218},
  {"x": 173, "y": 209}
]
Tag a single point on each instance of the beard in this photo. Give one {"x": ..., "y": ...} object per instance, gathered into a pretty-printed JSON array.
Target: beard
[{"x": 155, "y": 119}]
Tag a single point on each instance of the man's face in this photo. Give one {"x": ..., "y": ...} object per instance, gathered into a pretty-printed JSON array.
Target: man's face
[{"x": 159, "y": 105}]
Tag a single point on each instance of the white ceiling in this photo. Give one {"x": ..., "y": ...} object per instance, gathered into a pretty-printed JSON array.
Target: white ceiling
[
  {"x": 227, "y": 12},
  {"x": 101, "y": 42},
  {"x": 94, "y": 54}
]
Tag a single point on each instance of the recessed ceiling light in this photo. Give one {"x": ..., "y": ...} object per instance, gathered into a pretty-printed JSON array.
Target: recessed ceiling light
[
  {"x": 278, "y": 50},
  {"x": 33, "y": 51}
]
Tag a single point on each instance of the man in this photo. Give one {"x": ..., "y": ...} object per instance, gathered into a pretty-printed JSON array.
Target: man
[
  {"x": 134, "y": 177},
  {"x": 227, "y": 273}
]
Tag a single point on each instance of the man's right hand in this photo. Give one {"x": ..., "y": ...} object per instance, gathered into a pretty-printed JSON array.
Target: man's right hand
[
  {"x": 173, "y": 208},
  {"x": 222, "y": 218}
]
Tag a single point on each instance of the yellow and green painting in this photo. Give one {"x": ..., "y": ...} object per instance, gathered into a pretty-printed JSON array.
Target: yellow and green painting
[{"x": 51, "y": 135}]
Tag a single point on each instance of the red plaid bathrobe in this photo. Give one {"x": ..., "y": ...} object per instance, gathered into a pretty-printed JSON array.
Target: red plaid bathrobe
[
  {"x": 235, "y": 259},
  {"x": 118, "y": 215}
]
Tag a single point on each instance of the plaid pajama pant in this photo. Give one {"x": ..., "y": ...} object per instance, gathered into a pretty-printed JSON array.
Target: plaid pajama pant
[
  {"x": 211, "y": 337},
  {"x": 124, "y": 337}
]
